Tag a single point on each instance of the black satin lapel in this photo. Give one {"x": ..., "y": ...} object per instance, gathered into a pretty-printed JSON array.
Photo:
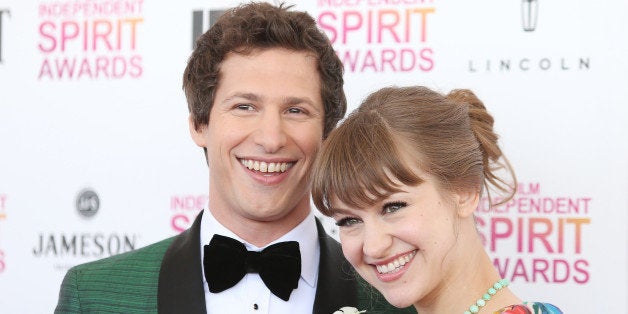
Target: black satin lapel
[
  {"x": 336, "y": 285},
  {"x": 180, "y": 288}
]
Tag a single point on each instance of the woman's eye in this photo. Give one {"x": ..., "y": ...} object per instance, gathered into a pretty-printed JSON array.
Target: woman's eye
[
  {"x": 347, "y": 222},
  {"x": 392, "y": 207}
]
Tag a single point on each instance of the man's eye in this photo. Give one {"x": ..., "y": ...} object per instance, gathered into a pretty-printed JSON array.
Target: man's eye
[
  {"x": 247, "y": 107},
  {"x": 347, "y": 222},
  {"x": 392, "y": 207},
  {"x": 295, "y": 110}
]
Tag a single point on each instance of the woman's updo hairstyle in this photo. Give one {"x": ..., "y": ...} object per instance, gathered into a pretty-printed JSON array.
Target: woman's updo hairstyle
[{"x": 493, "y": 160}]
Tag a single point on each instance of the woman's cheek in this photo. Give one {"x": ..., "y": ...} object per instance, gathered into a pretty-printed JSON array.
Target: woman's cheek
[{"x": 351, "y": 248}]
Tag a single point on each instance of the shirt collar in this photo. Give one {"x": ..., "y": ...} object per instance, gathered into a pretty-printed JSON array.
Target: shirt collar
[{"x": 305, "y": 233}]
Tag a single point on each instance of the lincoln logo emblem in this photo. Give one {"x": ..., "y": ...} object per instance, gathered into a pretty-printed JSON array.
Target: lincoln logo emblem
[{"x": 529, "y": 12}]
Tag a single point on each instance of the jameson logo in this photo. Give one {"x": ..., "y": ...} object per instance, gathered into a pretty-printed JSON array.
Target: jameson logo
[
  {"x": 87, "y": 203},
  {"x": 83, "y": 244},
  {"x": 3, "y": 13},
  {"x": 198, "y": 22}
]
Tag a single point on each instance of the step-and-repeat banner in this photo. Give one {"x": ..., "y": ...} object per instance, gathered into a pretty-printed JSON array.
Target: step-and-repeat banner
[{"x": 96, "y": 159}]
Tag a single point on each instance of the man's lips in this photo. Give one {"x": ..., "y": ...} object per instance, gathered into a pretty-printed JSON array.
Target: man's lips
[{"x": 266, "y": 167}]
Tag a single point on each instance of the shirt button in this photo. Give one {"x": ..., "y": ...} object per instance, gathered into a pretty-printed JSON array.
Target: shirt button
[{"x": 255, "y": 306}]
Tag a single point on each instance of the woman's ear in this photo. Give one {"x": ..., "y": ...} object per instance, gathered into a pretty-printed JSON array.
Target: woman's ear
[{"x": 467, "y": 202}]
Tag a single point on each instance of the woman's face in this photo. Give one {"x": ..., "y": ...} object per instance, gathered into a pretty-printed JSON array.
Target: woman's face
[{"x": 404, "y": 245}]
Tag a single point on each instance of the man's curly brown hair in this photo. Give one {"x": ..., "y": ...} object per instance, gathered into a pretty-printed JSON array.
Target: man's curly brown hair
[{"x": 253, "y": 26}]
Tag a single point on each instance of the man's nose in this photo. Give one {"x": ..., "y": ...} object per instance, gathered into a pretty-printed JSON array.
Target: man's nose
[{"x": 270, "y": 133}]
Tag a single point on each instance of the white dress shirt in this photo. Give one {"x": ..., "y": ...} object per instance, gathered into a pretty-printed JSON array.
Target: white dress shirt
[{"x": 251, "y": 295}]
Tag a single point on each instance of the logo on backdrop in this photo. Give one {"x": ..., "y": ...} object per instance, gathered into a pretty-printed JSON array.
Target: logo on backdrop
[
  {"x": 522, "y": 64},
  {"x": 184, "y": 209},
  {"x": 3, "y": 201},
  {"x": 538, "y": 237},
  {"x": 201, "y": 21},
  {"x": 67, "y": 247},
  {"x": 3, "y": 13},
  {"x": 90, "y": 40},
  {"x": 3, "y": 216},
  {"x": 87, "y": 203},
  {"x": 3, "y": 266},
  {"x": 529, "y": 64},
  {"x": 88, "y": 245},
  {"x": 529, "y": 14},
  {"x": 372, "y": 36}
]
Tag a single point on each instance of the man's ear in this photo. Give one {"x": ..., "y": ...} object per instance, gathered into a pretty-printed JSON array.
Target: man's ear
[
  {"x": 198, "y": 135},
  {"x": 467, "y": 202}
]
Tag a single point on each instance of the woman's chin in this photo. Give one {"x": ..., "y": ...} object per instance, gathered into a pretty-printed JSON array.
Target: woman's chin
[{"x": 398, "y": 301}]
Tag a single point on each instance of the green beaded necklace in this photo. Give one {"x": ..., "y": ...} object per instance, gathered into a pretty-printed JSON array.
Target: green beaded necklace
[{"x": 502, "y": 283}]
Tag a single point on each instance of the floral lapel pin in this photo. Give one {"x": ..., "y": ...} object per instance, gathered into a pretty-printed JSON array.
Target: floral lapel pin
[{"x": 348, "y": 310}]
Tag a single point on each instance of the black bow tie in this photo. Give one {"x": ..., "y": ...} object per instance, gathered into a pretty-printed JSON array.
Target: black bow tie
[{"x": 226, "y": 262}]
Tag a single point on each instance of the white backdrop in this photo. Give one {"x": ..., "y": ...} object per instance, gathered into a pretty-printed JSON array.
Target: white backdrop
[{"x": 92, "y": 116}]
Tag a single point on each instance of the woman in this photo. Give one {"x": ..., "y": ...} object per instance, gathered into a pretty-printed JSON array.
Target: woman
[{"x": 402, "y": 177}]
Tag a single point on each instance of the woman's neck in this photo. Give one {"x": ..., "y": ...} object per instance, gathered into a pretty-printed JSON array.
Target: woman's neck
[{"x": 467, "y": 277}]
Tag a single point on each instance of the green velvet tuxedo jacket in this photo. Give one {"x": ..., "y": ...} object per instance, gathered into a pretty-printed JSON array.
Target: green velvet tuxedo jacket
[{"x": 166, "y": 277}]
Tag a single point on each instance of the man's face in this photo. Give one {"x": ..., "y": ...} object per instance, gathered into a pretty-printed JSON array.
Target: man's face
[{"x": 265, "y": 129}]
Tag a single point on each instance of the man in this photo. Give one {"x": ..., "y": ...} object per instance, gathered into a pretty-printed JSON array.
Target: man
[{"x": 264, "y": 87}]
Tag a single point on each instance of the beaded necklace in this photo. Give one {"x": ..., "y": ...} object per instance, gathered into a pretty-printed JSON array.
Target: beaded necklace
[{"x": 502, "y": 283}]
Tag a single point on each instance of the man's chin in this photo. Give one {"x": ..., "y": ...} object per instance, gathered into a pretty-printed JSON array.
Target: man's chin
[{"x": 279, "y": 215}]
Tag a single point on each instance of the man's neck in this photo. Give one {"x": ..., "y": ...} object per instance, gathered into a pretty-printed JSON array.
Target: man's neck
[{"x": 261, "y": 233}]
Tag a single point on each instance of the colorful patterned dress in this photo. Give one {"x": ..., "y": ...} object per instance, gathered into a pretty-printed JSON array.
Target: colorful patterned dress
[{"x": 530, "y": 308}]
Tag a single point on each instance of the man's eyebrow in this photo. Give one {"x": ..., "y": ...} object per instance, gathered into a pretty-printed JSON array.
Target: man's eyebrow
[
  {"x": 297, "y": 100},
  {"x": 290, "y": 100},
  {"x": 247, "y": 96}
]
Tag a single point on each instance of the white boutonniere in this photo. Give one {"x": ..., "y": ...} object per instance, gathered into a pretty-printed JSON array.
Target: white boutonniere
[{"x": 348, "y": 310}]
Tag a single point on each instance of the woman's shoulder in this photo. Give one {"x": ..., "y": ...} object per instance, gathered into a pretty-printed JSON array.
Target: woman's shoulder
[{"x": 530, "y": 308}]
